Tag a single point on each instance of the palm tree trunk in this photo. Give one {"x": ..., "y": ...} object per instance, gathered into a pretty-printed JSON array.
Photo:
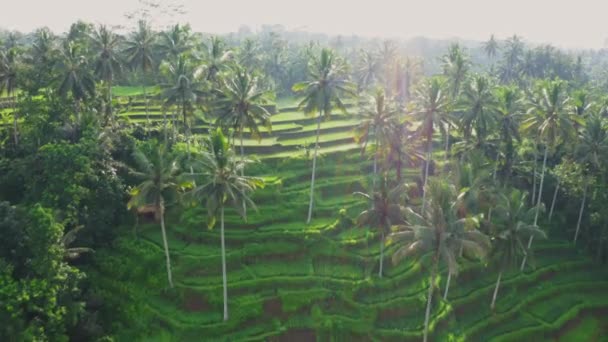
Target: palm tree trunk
[
  {"x": 447, "y": 285},
  {"x": 314, "y": 169},
  {"x": 553, "y": 201},
  {"x": 243, "y": 172},
  {"x": 492, "y": 305},
  {"x": 161, "y": 208},
  {"x": 426, "y": 172},
  {"x": 165, "y": 123},
  {"x": 447, "y": 144},
  {"x": 146, "y": 103},
  {"x": 224, "y": 278},
  {"x": 15, "y": 118},
  {"x": 381, "y": 253},
  {"x": 534, "y": 175},
  {"x": 427, "y": 315},
  {"x": 540, "y": 191},
  {"x": 580, "y": 213},
  {"x": 110, "y": 101}
]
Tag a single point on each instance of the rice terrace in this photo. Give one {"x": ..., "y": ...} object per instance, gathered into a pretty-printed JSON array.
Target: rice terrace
[{"x": 162, "y": 183}]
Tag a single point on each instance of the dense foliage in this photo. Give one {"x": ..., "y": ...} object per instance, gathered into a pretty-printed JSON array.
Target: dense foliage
[{"x": 502, "y": 138}]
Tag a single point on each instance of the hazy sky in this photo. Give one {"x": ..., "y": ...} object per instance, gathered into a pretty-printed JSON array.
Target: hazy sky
[{"x": 567, "y": 23}]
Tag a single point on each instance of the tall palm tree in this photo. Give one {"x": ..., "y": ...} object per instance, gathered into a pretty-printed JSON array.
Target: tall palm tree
[
  {"x": 509, "y": 110},
  {"x": 490, "y": 47},
  {"x": 478, "y": 108},
  {"x": 140, "y": 55},
  {"x": 217, "y": 58},
  {"x": 184, "y": 90},
  {"x": 107, "y": 63},
  {"x": 241, "y": 104},
  {"x": 249, "y": 54},
  {"x": 378, "y": 121},
  {"x": 218, "y": 173},
  {"x": 431, "y": 104},
  {"x": 511, "y": 228},
  {"x": 591, "y": 151},
  {"x": 513, "y": 52},
  {"x": 403, "y": 149},
  {"x": 325, "y": 90},
  {"x": 75, "y": 76},
  {"x": 8, "y": 83},
  {"x": 175, "y": 42},
  {"x": 548, "y": 119},
  {"x": 432, "y": 230},
  {"x": 159, "y": 173},
  {"x": 369, "y": 70},
  {"x": 456, "y": 65},
  {"x": 385, "y": 211}
]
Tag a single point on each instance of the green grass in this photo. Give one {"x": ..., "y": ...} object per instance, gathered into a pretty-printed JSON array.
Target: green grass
[{"x": 134, "y": 90}]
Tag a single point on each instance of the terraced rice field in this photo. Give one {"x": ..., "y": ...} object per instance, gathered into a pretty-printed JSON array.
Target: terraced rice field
[{"x": 288, "y": 281}]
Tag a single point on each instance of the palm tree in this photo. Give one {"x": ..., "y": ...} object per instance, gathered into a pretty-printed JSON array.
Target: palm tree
[
  {"x": 241, "y": 105},
  {"x": 433, "y": 230},
  {"x": 75, "y": 76},
  {"x": 548, "y": 119},
  {"x": 491, "y": 47},
  {"x": 217, "y": 58},
  {"x": 325, "y": 90},
  {"x": 220, "y": 184},
  {"x": 8, "y": 83},
  {"x": 478, "y": 108},
  {"x": 509, "y": 232},
  {"x": 455, "y": 67},
  {"x": 369, "y": 70},
  {"x": 592, "y": 151},
  {"x": 378, "y": 121},
  {"x": 140, "y": 55},
  {"x": 184, "y": 90},
  {"x": 384, "y": 212},
  {"x": 159, "y": 173},
  {"x": 107, "y": 63},
  {"x": 508, "y": 108},
  {"x": 513, "y": 51},
  {"x": 249, "y": 54},
  {"x": 403, "y": 148},
  {"x": 432, "y": 109},
  {"x": 175, "y": 42}
]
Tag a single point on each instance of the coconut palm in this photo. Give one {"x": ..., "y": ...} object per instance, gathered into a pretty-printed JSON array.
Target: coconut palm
[
  {"x": 591, "y": 151},
  {"x": 550, "y": 121},
  {"x": 491, "y": 47},
  {"x": 455, "y": 66},
  {"x": 385, "y": 210},
  {"x": 8, "y": 83},
  {"x": 217, "y": 58},
  {"x": 139, "y": 52},
  {"x": 433, "y": 229},
  {"x": 159, "y": 173},
  {"x": 369, "y": 70},
  {"x": 512, "y": 58},
  {"x": 431, "y": 104},
  {"x": 325, "y": 91},
  {"x": 107, "y": 63},
  {"x": 511, "y": 229},
  {"x": 75, "y": 76},
  {"x": 478, "y": 108},
  {"x": 241, "y": 104},
  {"x": 403, "y": 149},
  {"x": 249, "y": 54},
  {"x": 219, "y": 183},
  {"x": 184, "y": 90},
  {"x": 509, "y": 112},
  {"x": 175, "y": 42},
  {"x": 378, "y": 121}
]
